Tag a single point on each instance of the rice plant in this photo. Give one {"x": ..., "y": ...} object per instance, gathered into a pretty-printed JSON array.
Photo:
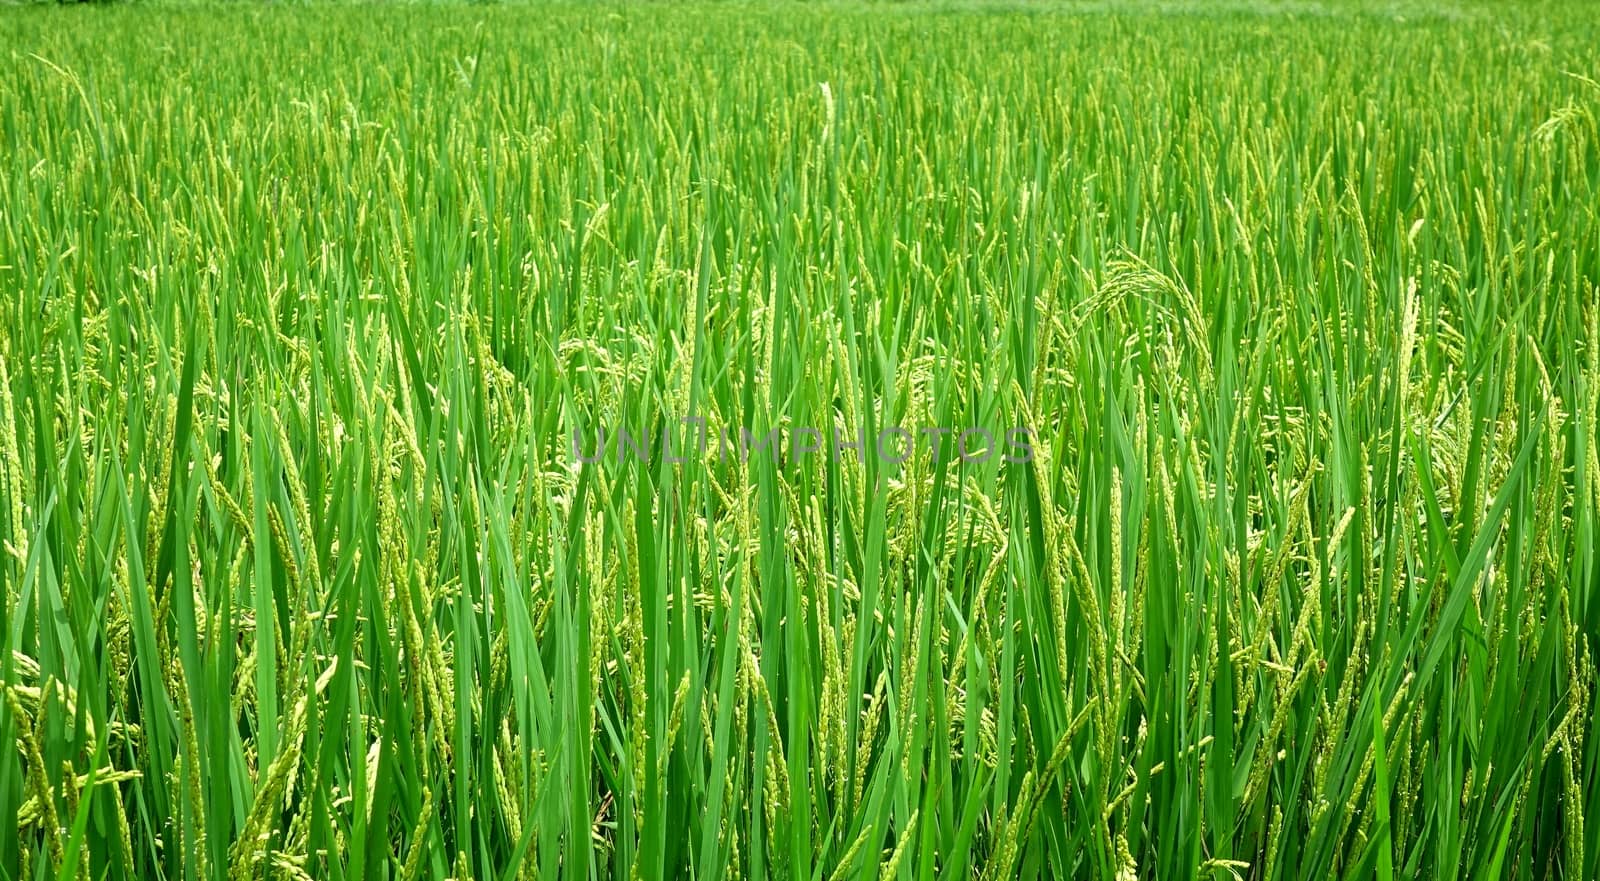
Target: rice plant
[{"x": 324, "y": 555}]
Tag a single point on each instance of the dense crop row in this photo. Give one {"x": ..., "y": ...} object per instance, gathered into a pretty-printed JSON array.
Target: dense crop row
[{"x": 300, "y": 309}]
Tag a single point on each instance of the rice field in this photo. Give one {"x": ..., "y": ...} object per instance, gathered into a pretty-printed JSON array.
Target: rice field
[{"x": 1151, "y": 441}]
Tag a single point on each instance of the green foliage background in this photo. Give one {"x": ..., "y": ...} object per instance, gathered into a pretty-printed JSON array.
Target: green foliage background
[{"x": 299, "y": 307}]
